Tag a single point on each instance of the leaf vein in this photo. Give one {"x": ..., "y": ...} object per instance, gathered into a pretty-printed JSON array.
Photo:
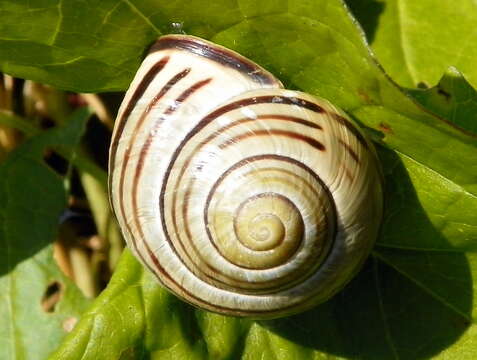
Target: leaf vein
[
  {"x": 382, "y": 312},
  {"x": 423, "y": 287},
  {"x": 141, "y": 14}
]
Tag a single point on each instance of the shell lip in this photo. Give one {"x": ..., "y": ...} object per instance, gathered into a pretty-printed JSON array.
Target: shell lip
[{"x": 217, "y": 53}]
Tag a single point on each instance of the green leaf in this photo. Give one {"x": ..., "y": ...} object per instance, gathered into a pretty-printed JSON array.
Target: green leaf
[
  {"x": 396, "y": 308},
  {"x": 416, "y": 41},
  {"x": 424, "y": 211},
  {"x": 452, "y": 98},
  {"x": 91, "y": 46},
  {"x": 380, "y": 315},
  {"x": 32, "y": 197},
  {"x": 11, "y": 120}
]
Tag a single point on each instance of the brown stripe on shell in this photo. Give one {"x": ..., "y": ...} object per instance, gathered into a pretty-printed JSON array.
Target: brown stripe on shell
[
  {"x": 350, "y": 150},
  {"x": 137, "y": 94},
  {"x": 138, "y": 172},
  {"x": 219, "y": 54},
  {"x": 229, "y": 126},
  {"x": 188, "y": 297},
  {"x": 351, "y": 128},
  {"x": 210, "y": 117},
  {"x": 238, "y": 104},
  {"x": 187, "y": 194},
  {"x": 196, "y": 270},
  {"x": 185, "y": 94},
  {"x": 132, "y": 140},
  {"x": 290, "y": 134},
  {"x": 286, "y": 282},
  {"x": 251, "y": 159},
  {"x": 294, "y": 119},
  {"x": 138, "y": 126},
  {"x": 264, "y": 99},
  {"x": 185, "y": 210},
  {"x": 178, "y": 101}
]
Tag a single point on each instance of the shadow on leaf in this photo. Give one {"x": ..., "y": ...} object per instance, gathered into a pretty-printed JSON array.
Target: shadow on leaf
[
  {"x": 367, "y": 12},
  {"x": 406, "y": 304}
]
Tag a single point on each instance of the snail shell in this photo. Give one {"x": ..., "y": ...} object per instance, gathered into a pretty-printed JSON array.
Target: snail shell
[{"x": 242, "y": 197}]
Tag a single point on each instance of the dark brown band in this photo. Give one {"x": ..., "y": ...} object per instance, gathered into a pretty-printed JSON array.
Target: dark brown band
[{"x": 217, "y": 53}]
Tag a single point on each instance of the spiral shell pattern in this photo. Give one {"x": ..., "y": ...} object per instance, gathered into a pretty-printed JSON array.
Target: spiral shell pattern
[{"x": 242, "y": 197}]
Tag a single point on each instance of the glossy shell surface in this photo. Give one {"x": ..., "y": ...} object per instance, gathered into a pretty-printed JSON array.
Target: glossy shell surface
[{"x": 242, "y": 197}]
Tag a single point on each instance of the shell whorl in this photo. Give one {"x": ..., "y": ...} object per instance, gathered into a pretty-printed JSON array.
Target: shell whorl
[{"x": 240, "y": 196}]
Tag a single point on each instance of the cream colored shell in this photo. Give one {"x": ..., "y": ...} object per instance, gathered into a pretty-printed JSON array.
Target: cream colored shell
[{"x": 240, "y": 196}]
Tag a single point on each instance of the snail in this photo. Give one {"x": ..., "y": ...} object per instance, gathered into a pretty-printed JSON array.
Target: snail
[{"x": 242, "y": 197}]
